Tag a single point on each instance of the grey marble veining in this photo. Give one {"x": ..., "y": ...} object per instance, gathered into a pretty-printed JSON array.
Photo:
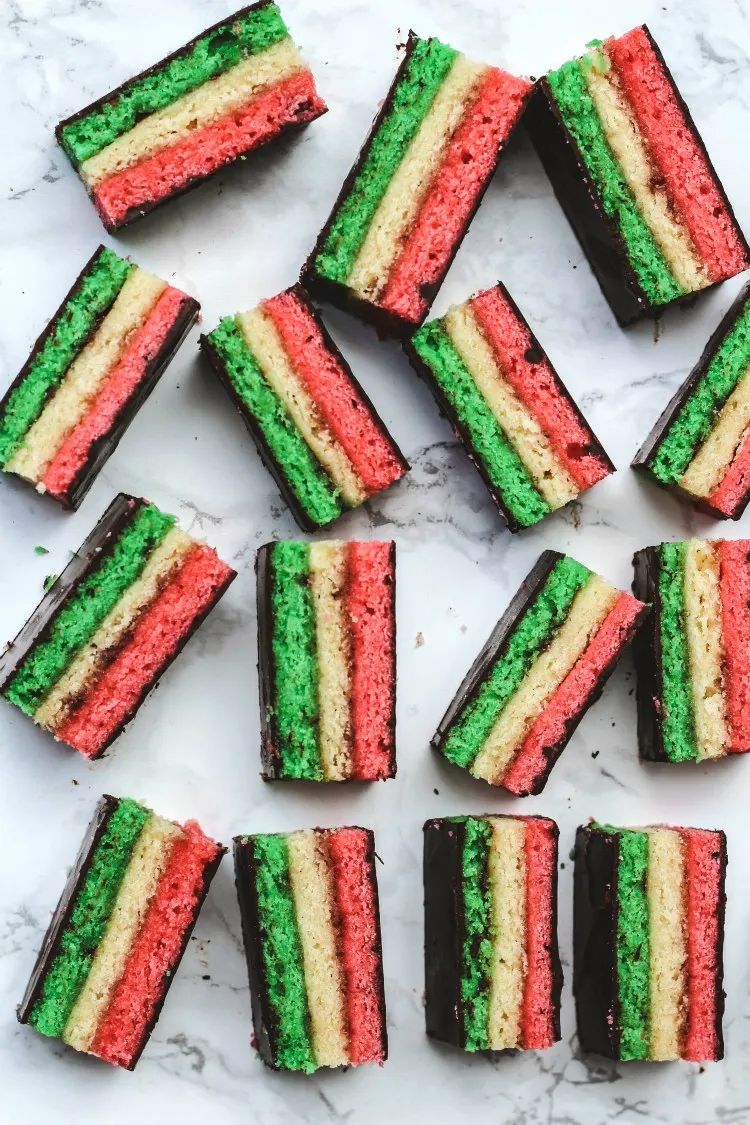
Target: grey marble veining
[{"x": 193, "y": 750}]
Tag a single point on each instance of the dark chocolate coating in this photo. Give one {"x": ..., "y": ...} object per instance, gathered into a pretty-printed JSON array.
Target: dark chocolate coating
[
  {"x": 274, "y": 467},
  {"x": 494, "y": 649},
  {"x": 61, "y": 918},
  {"x": 386, "y": 323},
  {"x": 447, "y": 410},
  {"x": 265, "y": 1024},
  {"x": 642, "y": 460},
  {"x": 105, "y": 446},
  {"x": 88, "y": 557},
  {"x": 647, "y": 653},
  {"x": 270, "y": 756},
  {"x": 445, "y": 930},
  {"x": 144, "y": 208},
  {"x": 579, "y": 198},
  {"x": 594, "y": 941}
]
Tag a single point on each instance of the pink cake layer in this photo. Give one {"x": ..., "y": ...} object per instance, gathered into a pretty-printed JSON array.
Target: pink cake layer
[
  {"x": 156, "y": 949},
  {"x": 360, "y": 942},
  {"x": 369, "y": 599},
  {"x": 538, "y": 1023},
  {"x": 734, "y": 586},
  {"x": 343, "y": 411},
  {"x": 703, "y": 906},
  {"x": 157, "y": 635},
  {"x": 567, "y": 701},
  {"x": 467, "y": 165},
  {"x": 733, "y": 486},
  {"x": 291, "y": 102},
  {"x": 678, "y": 155},
  {"x": 537, "y": 387},
  {"x": 121, "y": 383}
]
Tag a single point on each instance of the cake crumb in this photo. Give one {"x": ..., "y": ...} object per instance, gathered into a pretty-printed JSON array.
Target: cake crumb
[{"x": 419, "y": 640}]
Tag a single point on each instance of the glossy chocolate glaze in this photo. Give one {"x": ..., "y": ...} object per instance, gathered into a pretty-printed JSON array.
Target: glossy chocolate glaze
[
  {"x": 647, "y": 653},
  {"x": 447, "y": 410},
  {"x": 645, "y": 455},
  {"x": 594, "y": 941},
  {"x": 143, "y": 209},
  {"x": 274, "y": 467},
  {"x": 386, "y": 323},
  {"x": 444, "y": 929}
]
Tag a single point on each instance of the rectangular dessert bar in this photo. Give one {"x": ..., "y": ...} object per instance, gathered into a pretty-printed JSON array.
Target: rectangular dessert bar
[
  {"x": 693, "y": 656},
  {"x": 543, "y": 666},
  {"x": 700, "y": 447},
  {"x": 89, "y": 372},
  {"x": 311, "y": 926},
  {"x": 327, "y": 660},
  {"x": 314, "y": 427},
  {"x": 648, "y": 942},
  {"x": 632, "y": 174},
  {"x": 491, "y": 378},
  {"x": 408, "y": 201},
  {"x": 235, "y": 87},
  {"x": 125, "y": 605},
  {"x": 492, "y": 970},
  {"x": 119, "y": 931}
]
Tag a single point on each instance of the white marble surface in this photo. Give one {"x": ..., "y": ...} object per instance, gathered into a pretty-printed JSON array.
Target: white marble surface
[{"x": 193, "y": 750}]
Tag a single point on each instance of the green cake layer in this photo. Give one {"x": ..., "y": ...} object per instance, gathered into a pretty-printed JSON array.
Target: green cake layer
[
  {"x": 529, "y": 637},
  {"x": 89, "y": 918},
  {"x": 93, "y": 295},
  {"x": 312, "y": 487},
  {"x": 570, "y": 91},
  {"x": 477, "y": 941},
  {"x": 633, "y": 968},
  {"x": 508, "y": 474},
  {"x": 425, "y": 71},
  {"x": 93, "y": 599},
  {"x": 295, "y": 662},
  {"x": 697, "y": 415},
  {"x": 678, "y": 725},
  {"x": 282, "y": 955},
  {"x": 212, "y": 54}
]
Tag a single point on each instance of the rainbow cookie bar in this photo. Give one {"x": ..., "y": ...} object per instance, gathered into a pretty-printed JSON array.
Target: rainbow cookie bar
[
  {"x": 631, "y": 172},
  {"x": 327, "y": 660},
  {"x": 492, "y": 970},
  {"x": 311, "y": 925},
  {"x": 648, "y": 927},
  {"x": 700, "y": 447},
  {"x": 313, "y": 425},
  {"x": 544, "y": 664},
  {"x": 119, "y": 931},
  {"x": 693, "y": 657},
  {"x": 529, "y": 441},
  {"x": 232, "y": 89},
  {"x": 93, "y": 366},
  {"x": 103, "y": 634},
  {"x": 409, "y": 199}
]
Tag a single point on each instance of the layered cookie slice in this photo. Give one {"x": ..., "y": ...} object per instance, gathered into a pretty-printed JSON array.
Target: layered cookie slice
[
  {"x": 313, "y": 425},
  {"x": 119, "y": 931},
  {"x": 408, "y": 201},
  {"x": 700, "y": 447},
  {"x": 89, "y": 372},
  {"x": 232, "y": 89},
  {"x": 529, "y": 441},
  {"x": 693, "y": 657},
  {"x": 310, "y": 921},
  {"x": 633, "y": 176},
  {"x": 492, "y": 970},
  {"x": 544, "y": 664},
  {"x": 110, "y": 625},
  {"x": 327, "y": 660},
  {"x": 648, "y": 937}
]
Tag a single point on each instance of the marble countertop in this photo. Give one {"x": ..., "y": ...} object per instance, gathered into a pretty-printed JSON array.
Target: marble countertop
[{"x": 193, "y": 750}]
